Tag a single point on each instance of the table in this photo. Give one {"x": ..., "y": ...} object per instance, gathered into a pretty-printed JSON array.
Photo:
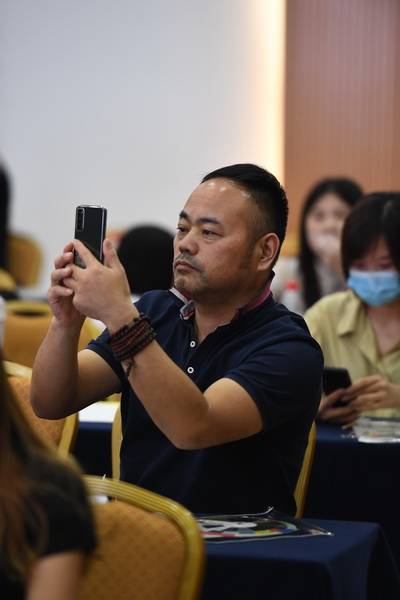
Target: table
[
  {"x": 93, "y": 443},
  {"x": 355, "y": 481},
  {"x": 354, "y": 564},
  {"x": 350, "y": 482}
]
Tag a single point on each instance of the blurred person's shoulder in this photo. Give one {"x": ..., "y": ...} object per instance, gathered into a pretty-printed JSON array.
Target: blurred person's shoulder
[
  {"x": 333, "y": 305},
  {"x": 336, "y": 313}
]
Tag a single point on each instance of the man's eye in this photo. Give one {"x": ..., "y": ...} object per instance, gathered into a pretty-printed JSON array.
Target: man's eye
[
  {"x": 181, "y": 229},
  {"x": 208, "y": 232}
]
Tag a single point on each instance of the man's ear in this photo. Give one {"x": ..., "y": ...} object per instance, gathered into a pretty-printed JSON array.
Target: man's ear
[{"x": 268, "y": 246}]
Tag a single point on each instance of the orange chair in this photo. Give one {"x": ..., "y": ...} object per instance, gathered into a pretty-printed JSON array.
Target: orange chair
[
  {"x": 25, "y": 258},
  {"x": 303, "y": 481},
  {"x": 7, "y": 282},
  {"x": 60, "y": 432},
  {"x": 301, "y": 489},
  {"x": 116, "y": 439},
  {"x": 150, "y": 547},
  {"x": 26, "y": 325}
]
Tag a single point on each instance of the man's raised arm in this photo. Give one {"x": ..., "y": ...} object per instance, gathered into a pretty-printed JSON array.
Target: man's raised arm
[
  {"x": 63, "y": 382},
  {"x": 189, "y": 418}
]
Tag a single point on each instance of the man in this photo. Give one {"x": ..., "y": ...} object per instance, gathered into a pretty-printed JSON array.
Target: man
[{"x": 216, "y": 408}]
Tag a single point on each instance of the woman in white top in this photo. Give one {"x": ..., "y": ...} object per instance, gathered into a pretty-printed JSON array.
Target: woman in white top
[{"x": 300, "y": 281}]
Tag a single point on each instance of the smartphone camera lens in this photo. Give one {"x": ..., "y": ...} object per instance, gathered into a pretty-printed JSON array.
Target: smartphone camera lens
[{"x": 80, "y": 219}]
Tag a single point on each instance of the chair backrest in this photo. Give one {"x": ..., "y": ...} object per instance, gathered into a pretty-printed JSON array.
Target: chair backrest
[
  {"x": 60, "y": 432},
  {"x": 26, "y": 325},
  {"x": 300, "y": 492},
  {"x": 303, "y": 480},
  {"x": 7, "y": 282},
  {"x": 149, "y": 546},
  {"x": 25, "y": 258},
  {"x": 116, "y": 439}
]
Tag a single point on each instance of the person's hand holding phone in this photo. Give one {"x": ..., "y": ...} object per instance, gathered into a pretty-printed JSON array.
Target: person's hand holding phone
[
  {"x": 59, "y": 296},
  {"x": 101, "y": 291},
  {"x": 334, "y": 408},
  {"x": 371, "y": 393},
  {"x": 336, "y": 405}
]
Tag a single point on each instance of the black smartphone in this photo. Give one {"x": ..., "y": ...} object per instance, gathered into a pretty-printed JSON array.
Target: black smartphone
[
  {"x": 334, "y": 378},
  {"x": 90, "y": 229}
]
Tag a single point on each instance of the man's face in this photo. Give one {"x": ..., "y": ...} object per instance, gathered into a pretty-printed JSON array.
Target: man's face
[{"x": 214, "y": 248}]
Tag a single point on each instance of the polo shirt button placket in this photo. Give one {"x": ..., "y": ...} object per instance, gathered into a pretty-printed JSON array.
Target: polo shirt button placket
[
  {"x": 192, "y": 344},
  {"x": 190, "y": 370}
]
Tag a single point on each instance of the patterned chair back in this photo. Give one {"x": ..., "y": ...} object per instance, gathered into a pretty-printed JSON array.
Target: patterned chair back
[{"x": 149, "y": 547}]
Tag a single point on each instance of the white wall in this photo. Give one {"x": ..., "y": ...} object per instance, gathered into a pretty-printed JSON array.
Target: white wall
[{"x": 127, "y": 103}]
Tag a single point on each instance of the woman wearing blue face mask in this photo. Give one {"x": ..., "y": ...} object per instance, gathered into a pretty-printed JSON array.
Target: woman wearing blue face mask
[{"x": 359, "y": 329}]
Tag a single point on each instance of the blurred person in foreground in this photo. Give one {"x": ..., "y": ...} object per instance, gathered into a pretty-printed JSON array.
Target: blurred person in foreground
[
  {"x": 46, "y": 528},
  {"x": 302, "y": 280},
  {"x": 4, "y": 215},
  {"x": 219, "y": 383},
  {"x": 359, "y": 329}
]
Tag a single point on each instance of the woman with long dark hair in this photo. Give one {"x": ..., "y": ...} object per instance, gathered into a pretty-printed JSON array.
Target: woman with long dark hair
[
  {"x": 301, "y": 281},
  {"x": 46, "y": 527}
]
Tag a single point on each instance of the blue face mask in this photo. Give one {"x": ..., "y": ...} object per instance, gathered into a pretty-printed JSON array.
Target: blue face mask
[{"x": 375, "y": 288}]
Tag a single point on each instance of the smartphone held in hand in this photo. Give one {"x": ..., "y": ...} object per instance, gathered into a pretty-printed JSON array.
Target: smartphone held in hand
[
  {"x": 334, "y": 378},
  {"x": 90, "y": 229}
]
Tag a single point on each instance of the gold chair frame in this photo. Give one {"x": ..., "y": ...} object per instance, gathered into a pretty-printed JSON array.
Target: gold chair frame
[
  {"x": 300, "y": 492},
  {"x": 116, "y": 439},
  {"x": 25, "y": 316},
  {"x": 193, "y": 568},
  {"x": 70, "y": 426}
]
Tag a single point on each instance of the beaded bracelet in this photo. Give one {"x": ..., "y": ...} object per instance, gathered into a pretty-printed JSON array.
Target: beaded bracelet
[{"x": 131, "y": 339}]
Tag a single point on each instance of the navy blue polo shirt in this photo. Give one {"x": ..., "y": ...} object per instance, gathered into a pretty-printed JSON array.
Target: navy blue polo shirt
[{"x": 269, "y": 352}]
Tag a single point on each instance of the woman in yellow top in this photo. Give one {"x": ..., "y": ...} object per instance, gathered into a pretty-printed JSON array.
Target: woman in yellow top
[{"x": 359, "y": 329}]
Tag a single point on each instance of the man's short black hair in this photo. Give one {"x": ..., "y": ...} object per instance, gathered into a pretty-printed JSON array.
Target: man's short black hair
[{"x": 266, "y": 192}]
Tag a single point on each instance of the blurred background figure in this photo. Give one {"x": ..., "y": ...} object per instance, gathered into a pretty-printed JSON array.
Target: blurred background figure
[
  {"x": 316, "y": 271},
  {"x": 7, "y": 283},
  {"x": 146, "y": 253},
  {"x": 46, "y": 526},
  {"x": 4, "y": 216},
  {"x": 359, "y": 329}
]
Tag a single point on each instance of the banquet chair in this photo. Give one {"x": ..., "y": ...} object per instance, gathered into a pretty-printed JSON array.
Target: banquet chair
[
  {"x": 116, "y": 439},
  {"x": 25, "y": 259},
  {"x": 303, "y": 480},
  {"x": 149, "y": 547},
  {"x": 300, "y": 492},
  {"x": 26, "y": 325},
  {"x": 7, "y": 282},
  {"x": 59, "y": 432}
]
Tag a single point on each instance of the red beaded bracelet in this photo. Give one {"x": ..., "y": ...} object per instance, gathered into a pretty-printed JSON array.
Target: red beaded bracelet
[{"x": 130, "y": 339}]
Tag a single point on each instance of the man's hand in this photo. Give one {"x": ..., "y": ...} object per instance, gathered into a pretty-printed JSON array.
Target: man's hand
[
  {"x": 342, "y": 414},
  {"x": 101, "y": 291},
  {"x": 373, "y": 392},
  {"x": 59, "y": 296}
]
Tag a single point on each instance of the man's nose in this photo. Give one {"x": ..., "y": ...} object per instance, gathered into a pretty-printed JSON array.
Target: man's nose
[{"x": 188, "y": 243}]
